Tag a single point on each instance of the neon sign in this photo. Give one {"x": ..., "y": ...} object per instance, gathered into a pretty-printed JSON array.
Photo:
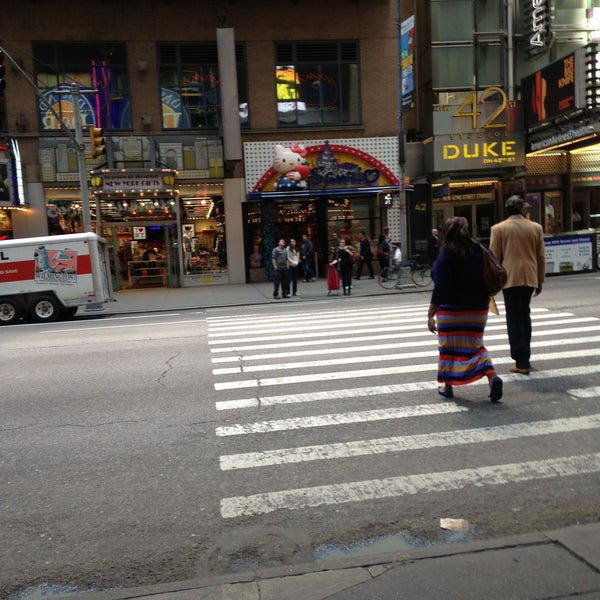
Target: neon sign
[{"x": 538, "y": 29}]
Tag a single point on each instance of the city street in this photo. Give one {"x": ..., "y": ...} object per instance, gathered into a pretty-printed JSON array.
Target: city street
[{"x": 152, "y": 447}]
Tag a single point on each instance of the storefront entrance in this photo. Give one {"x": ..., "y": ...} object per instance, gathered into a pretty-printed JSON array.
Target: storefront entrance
[
  {"x": 268, "y": 221},
  {"x": 143, "y": 255}
]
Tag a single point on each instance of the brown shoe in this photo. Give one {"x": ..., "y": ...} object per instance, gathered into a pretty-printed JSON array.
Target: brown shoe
[{"x": 514, "y": 369}]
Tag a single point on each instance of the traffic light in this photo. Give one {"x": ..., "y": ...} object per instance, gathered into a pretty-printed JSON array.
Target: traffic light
[
  {"x": 97, "y": 142},
  {"x": 2, "y": 71}
]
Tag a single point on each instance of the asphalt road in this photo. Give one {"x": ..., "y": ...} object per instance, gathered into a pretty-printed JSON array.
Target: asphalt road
[{"x": 148, "y": 448}]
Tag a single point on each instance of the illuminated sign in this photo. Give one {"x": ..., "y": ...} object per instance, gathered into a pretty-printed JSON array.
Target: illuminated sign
[
  {"x": 557, "y": 89},
  {"x": 132, "y": 182},
  {"x": 482, "y": 132},
  {"x": 325, "y": 166},
  {"x": 537, "y": 15}
]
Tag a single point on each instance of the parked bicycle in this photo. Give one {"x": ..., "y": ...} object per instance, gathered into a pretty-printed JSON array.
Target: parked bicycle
[{"x": 419, "y": 274}]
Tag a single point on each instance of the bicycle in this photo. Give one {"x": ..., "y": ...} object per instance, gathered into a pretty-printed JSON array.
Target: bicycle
[
  {"x": 420, "y": 274},
  {"x": 388, "y": 278}
]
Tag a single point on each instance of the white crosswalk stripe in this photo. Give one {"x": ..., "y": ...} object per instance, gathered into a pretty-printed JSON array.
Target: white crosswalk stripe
[
  {"x": 415, "y": 442},
  {"x": 360, "y": 491},
  {"x": 397, "y": 365}
]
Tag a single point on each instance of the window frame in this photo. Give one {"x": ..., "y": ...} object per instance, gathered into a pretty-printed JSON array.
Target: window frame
[
  {"x": 341, "y": 56},
  {"x": 198, "y": 59}
]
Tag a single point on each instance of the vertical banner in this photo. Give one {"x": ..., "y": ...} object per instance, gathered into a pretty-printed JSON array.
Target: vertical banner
[{"x": 407, "y": 53}]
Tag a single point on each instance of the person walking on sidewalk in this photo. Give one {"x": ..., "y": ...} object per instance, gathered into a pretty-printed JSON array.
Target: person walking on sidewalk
[
  {"x": 518, "y": 244},
  {"x": 383, "y": 255},
  {"x": 344, "y": 262},
  {"x": 280, "y": 267},
  {"x": 365, "y": 256},
  {"x": 307, "y": 255},
  {"x": 397, "y": 264},
  {"x": 293, "y": 258},
  {"x": 458, "y": 312}
]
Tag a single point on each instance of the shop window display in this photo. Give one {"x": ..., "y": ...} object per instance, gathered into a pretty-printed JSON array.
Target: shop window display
[
  {"x": 64, "y": 216},
  {"x": 553, "y": 212},
  {"x": 6, "y": 231}
]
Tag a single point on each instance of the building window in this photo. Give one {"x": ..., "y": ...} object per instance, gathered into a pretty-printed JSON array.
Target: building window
[
  {"x": 467, "y": 44},
  {"x": 189, "y": 85},
  {"x": 317, "y": 83},
  {"x": 94, "y": 67}
]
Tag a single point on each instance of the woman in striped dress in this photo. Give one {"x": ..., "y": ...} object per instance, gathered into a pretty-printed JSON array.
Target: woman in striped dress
[{"x": 458, "y": 311}]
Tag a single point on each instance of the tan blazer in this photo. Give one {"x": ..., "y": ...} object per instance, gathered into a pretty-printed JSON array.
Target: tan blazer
[{"x": 518, "y": 244}]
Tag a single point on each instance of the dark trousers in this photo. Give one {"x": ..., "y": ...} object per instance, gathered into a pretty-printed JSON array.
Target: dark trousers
[
  {"x": 293, "y": 277},
  {"x": 307, "y": 269},
  {"x": 359, "y": 268},
  {"x": 281, "y": 277},
  {"x": 346, "y": 276},
  {"x": 518, "y": 323}
]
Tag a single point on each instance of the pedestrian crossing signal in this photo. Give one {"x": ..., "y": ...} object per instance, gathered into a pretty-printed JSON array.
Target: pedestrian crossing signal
[{"x": 97, "y": 142}]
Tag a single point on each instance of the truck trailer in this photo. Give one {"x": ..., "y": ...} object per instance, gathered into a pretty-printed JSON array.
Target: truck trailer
[{"x": 48, "y": 278}]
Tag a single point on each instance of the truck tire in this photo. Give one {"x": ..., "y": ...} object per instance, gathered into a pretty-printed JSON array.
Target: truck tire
[
  {"x": 10, "y": 311},
  {"x": 45, "y": 309}
]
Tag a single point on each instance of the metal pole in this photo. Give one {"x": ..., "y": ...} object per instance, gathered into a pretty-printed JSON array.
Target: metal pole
[
  {"x": 83, "y": 184},
  {"x": 401, "y": 152},
  {"x": 510, "y": 58}
]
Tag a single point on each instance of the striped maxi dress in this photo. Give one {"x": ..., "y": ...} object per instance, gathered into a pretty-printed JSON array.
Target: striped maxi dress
[
  {"x": 463, "y": 358},
  {"x": 461, "y": 318}
]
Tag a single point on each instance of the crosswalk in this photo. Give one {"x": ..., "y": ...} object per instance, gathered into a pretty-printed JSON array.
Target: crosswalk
[{"x": 328, "y": 385}]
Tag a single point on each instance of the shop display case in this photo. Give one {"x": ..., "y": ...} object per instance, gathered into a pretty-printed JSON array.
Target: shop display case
[{"x": 147, "y": 273}]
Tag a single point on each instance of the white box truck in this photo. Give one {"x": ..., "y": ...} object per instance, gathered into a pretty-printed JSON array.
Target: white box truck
[{"x": 48, "y": 278}]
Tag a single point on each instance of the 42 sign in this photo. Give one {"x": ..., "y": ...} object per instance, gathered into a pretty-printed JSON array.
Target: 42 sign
[{"x": 497, "y": 120}]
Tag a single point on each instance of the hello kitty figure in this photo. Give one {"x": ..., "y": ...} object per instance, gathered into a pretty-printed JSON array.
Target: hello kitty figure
[{"x": 291, "y": 162}]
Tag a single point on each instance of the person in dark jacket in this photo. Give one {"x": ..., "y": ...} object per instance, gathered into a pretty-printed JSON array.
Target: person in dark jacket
[
  {"x": 458, "y": 311},
  {"x": 383, "y": 255},
  {"x": 344, "y": 261},
  {"x": 433, "y": 246},
  {"x": 365, "y": 256},
  {"x": 307, "y": 255}
]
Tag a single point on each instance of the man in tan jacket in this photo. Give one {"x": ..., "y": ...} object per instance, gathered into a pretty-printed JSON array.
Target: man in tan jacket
[{"x": 518, "y": 243}]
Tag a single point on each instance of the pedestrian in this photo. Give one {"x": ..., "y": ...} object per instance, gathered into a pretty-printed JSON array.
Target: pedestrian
[
  {"x": 307, "y": 255},
  {"x": 458, "y": 312},
  {"x": 280, "y": 267},
  {"x": 334, "y": 245},
  {"x": 344, "y": 261},
  {"x": 293, "y": 258},
  {"x": 365, "y": 257},
  {"x": 383, "y": 255},
  {"x": 433, "y": 245},
  {"x": 518, "y": 244},
  {"x": 397, "y": 264}
]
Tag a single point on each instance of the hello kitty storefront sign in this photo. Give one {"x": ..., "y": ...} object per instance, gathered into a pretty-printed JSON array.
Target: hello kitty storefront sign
[{"x": 324, "y": 167}]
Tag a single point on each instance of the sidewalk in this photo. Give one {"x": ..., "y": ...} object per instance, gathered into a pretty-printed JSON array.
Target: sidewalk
[
  {"x": 557, "y": 564},
  {"x": 216, "y": 296}
]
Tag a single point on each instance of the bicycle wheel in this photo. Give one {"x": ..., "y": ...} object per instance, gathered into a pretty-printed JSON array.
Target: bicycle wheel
[
  {"x": 387, "y": 279},
  {"x": 421, "y": 275}
]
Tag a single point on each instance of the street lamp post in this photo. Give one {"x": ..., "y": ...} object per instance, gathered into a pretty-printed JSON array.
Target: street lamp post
[
  {"x": 401, "y": 150},
  {"x": 83, "y": 183}
]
